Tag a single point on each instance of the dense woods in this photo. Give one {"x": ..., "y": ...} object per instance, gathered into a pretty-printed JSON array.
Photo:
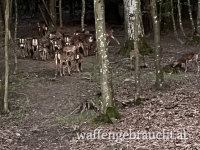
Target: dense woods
[{"x": 76, "y": 70}]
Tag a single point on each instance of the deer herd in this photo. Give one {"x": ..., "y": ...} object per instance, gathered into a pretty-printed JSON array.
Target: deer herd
[{"x": 66, "y": 49}]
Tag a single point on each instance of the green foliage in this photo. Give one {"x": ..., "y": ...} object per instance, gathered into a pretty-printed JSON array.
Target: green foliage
[
  {"x": 144, "y": 48},
  {"x": 74, "y": 119},
  {"x": 111, "y": 113},
  {"x": 138, "y": 101}
]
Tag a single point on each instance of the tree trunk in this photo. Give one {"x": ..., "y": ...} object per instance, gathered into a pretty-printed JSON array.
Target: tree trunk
[
  {"x": 1, "y": 94},
  {"x": 15, "y": 35},
  {"x": 107, "y": 99},
  {"x": 156, "y": 23},
  {"x": 125, "y": 19},
  {"x": 174, "y": 24},
  {"x": 2, "y": 23},
  {"x": 198, "y": 18},
  {"x": 6, "y": 57},
  {"x": 83, "y": 15},
  {"x": 129, "y": 17},
  {"x": 190, "y": 14},
  {"x": 180, "y": 20},
  {"x": 60, "y": 13},
  {"x": 52, "y": 11},
  {"x": 137, "y": 62}
]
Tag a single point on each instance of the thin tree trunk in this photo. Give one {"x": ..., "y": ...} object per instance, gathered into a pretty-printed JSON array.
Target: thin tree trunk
[
  {"x": 198, "y": 18},
  {"x": 2, "y": 23},
  {"x": 125, "y": 18},
  {"x": 137, "y": 61},
  {"x": 156, "y": 23},
  {"x": 180, "y": 20},
  {"x": 10, "y": 11},
  {"x": 60, "y": 13},
  {"x": 15, "y": 35},
  {"x": 83, "y": 15},
  {"x": 174, "y": 24},
  {"x": 6, "y": 57},
  {"x": 190, "y": 14},
  {"x": 52, "y": 11},
  {"x": 107, "y": 99},
  {"x": 1, "y": 94},
  {"x": 160, "y": 13},
  {"x": 16, "y": 19}
]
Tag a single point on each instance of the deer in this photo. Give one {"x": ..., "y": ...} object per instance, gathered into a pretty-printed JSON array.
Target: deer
[
  {"x": 35, "y": 47},
  {"x": 109, "y": 33},
  {"x": 22, "y": 45},
  {"x": 185, "y": 58},
  {"x": 42, "y": 28},
  {"x": 67, "y": 56}
]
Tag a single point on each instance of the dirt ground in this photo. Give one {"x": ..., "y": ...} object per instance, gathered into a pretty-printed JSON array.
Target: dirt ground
[{"x": 41, "y": 119}]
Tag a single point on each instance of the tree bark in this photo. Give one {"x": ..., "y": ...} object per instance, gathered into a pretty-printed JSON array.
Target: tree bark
[
  {"x": 107, "y": 99},
  {"x": 156, "y": 24},
  {"x": 137, "y": 61},
  {"x": 125, "y": 18},
  {"x": 180, "y": 20},
  {"x": 83, "y": 15},
  {"x": 60, "y": 13},
  {"x": 15, "y": 35},
  {"x": 198, "y": 18},
  {"x": 52, "y": 11},
  {"x": 129, "y": 11},
  {"x": 174, "y": 24},
  {"x": 2, "y": 23},
  {"x": 190, "y": 14},
  {"x": 6, "y": 110}
]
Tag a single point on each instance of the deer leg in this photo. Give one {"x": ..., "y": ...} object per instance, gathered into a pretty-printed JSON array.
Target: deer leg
[
  {"x": 56, "y": 68},
  {"x": 69, "y": 67},
  {"x": 186, "y": 66},
  {"x": 61, "y": 67},
  {"x": 80, "y": 66},
  {"x": 197, "y": 66},
  {"x": 108, "y": 41},
  {"x": 115, "y": 39},
  {"x": 64, "y": 70}
]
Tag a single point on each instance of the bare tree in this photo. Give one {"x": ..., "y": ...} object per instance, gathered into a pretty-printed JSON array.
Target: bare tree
[
  {"x": 60, "y": 13},
  {"x": 156, "y": 26},
  {"x": 6, "y": 110},
  {"x": 83, "y": 15},
  {"x": 137, "y": 62},
  {"x": 107, "y": 99}
]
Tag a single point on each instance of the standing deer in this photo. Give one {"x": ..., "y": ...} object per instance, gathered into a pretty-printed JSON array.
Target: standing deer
[{"x": 185, "y": 58}]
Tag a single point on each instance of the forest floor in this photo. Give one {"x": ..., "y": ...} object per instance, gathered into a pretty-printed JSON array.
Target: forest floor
[{"x": 41, "y": 109}]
